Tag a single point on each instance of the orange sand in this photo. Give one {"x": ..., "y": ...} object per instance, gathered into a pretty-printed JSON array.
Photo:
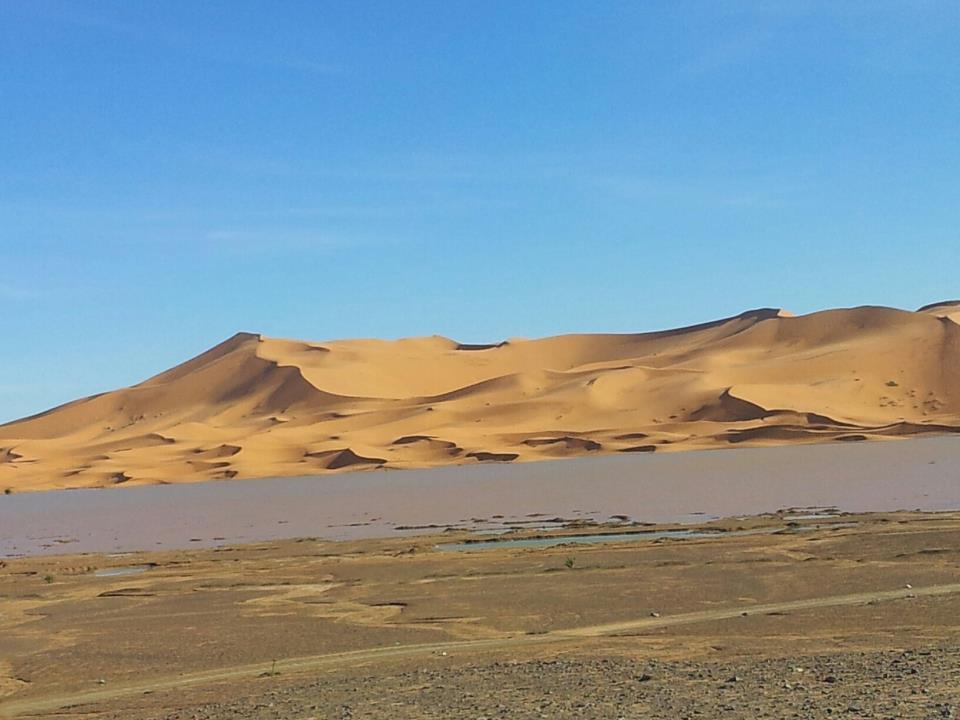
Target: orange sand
[{"x": 255, "y": 406}]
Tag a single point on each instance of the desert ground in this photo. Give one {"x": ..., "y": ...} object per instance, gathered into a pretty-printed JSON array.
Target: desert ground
[
  {"x": 773, "y": 616},
  {"x": 256, "y": 407},
  {"x": 644, "y": 583}
]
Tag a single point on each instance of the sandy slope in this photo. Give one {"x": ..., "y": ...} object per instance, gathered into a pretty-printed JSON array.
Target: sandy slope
[{"x": 255, "y": 406}]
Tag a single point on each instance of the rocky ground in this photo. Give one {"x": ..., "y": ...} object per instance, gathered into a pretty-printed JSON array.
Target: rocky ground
[
  {"x": 903, "y": 684},
  {"x": 847, "y": 617}
]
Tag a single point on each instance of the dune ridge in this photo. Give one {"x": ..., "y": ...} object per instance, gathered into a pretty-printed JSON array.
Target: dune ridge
[{"x": 255, "y": 406}]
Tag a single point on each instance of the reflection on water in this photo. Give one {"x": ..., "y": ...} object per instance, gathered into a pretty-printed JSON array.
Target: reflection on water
[{"x": 124, "y": 570}]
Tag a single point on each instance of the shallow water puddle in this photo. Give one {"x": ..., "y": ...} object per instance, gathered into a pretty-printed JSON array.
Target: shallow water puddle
[
  {"x": 825, "y": 526},
  {"x": 123, "y": 570},
  {"x": 600, "y": 538}
]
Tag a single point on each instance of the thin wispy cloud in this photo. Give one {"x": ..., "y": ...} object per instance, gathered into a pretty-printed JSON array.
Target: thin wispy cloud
[
  {"x": 178, "y": 39},
  {"x": 281, "y": 237},
  {"x": 710, "y": 192},
  {"x": 286, "y": 240},
  {"x": 14, "y": 293},
  {"x": 292, "y": 63},
  {"x": 13, "y": 389}
]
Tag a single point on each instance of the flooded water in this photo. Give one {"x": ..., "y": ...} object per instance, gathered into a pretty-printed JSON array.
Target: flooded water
[
  {"x": 121, "y": 571},
  {"x": 597, "y": 538},
  {"x": 684, "y": 487},
  {"x": 636, "y": 536}
]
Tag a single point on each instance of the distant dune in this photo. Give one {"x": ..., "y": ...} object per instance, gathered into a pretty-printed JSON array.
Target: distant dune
[{"x": 255, "y": 406}]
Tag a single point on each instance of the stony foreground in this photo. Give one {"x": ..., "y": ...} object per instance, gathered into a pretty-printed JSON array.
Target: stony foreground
[{"x": 905, "y": 684}]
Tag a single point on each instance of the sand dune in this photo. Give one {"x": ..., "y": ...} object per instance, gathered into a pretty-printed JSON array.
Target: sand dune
[{"x": 255, "y": 406}]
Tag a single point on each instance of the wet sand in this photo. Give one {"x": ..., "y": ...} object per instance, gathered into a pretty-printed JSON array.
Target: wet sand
[{"x": 683, "y": 487}]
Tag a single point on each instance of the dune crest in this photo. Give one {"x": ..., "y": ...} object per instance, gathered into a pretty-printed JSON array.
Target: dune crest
[{"x": 255, "y": 406}]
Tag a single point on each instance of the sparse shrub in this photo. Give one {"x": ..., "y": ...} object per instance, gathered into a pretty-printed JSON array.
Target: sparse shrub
[
  {"x": 48, "y": 578},
  {"x": 272, "y": 672},
  {"x": 8, "y": 491},
  {"x": 569, "y": 562},
  {"x": 892, "y": 383}
]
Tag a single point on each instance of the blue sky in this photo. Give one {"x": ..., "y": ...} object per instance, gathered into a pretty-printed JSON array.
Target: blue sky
[{"x": 173, "y": 172}]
